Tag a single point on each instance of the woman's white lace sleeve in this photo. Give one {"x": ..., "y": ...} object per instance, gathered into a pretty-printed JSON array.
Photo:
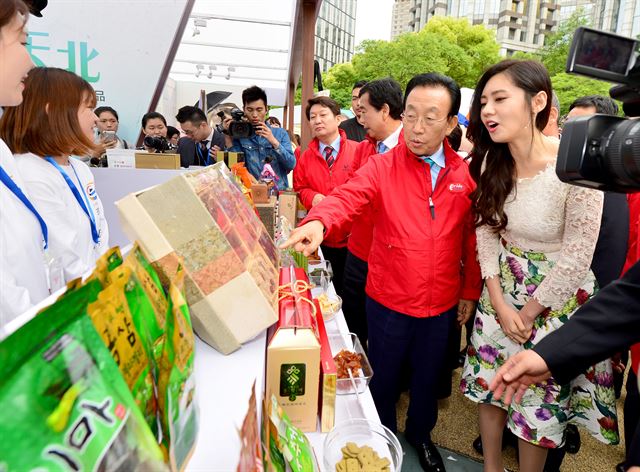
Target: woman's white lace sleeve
[
  {"x": 583, "y": 212},
  {"x": 488, "y": 251}
]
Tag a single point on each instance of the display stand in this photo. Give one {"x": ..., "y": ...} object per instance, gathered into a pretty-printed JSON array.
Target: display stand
[{"x": 223, "y": 388}]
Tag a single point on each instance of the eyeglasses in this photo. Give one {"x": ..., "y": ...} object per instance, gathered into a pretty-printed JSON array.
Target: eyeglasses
[{"x": 412, "y": 118}]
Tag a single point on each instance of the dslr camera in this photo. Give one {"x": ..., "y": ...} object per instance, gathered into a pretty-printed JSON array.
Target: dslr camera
[
  {"x": 603, "y": 151},
  {"x": 159, "y": 143},
  {"x": 239, "y": 127}
]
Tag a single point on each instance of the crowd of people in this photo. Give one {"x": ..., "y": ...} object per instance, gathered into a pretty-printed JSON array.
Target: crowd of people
[{"x": 432, "y": 221}]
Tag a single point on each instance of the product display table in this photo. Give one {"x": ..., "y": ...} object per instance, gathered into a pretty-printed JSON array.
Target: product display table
[{"x": 223, "y": 388}]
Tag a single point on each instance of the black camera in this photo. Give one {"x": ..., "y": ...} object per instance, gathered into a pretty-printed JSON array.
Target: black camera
[
  {"x": 239, "y": 127},
  {"x": 159, "y": 143},
  {"x": 603, "y": 151}
]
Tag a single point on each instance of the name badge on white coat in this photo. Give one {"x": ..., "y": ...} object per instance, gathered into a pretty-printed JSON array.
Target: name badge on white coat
[{"x": 55, "y": 272}]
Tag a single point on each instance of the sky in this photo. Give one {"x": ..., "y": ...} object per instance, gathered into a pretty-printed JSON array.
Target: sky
[{"x": 373, "y": 20}]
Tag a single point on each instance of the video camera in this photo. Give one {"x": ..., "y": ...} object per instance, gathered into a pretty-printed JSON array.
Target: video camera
[
  {"x": 159, "y": 143},
  {"x": 602, "y": 151},
  {"x": 239, "y": 127}
]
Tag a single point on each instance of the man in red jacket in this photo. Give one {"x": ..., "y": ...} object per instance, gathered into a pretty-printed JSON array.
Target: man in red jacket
[
  {"x": 326, "y": 164},
  {"x": 422, "y": 266},
  {"x": 381, "y": 110}
]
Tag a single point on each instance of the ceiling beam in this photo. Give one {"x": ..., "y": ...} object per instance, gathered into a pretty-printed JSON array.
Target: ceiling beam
[{"x": 207, "y": 16}]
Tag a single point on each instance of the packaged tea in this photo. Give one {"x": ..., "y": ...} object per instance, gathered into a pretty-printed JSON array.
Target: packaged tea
[
  {"x": 121, "y": 316},
  {"x": 176, "y": 381},
  {"x": 65, "y": 405}
]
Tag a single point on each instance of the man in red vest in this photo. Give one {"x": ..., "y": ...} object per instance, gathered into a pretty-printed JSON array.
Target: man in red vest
[
  {"x": 326, "y": 164},
  {"x": 422, "y": 265}
]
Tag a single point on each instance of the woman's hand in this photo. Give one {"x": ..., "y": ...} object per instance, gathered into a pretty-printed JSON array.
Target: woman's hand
[
  {"x": 512, "y": 324},
  {"x": 530, "y": 312}
]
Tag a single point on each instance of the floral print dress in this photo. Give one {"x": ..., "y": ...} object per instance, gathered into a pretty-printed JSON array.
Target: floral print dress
[{"x": 545, "y": 253}]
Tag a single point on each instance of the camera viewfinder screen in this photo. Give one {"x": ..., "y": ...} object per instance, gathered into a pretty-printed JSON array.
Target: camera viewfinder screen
[{"x": 605, "y": 52}]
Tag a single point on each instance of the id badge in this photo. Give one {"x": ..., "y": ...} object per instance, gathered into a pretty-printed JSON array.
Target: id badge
[{"x": 55, "y": 272}]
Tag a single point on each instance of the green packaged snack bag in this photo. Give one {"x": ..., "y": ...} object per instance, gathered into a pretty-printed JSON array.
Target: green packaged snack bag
[
  {"x": 105, "y": 264},
  {"x": 65, "y": 405},
  {"x": 120, "y": 316},
  {"x": 150, "y": 283},
  {"x": 289, "y": 441},
  {"x": 176, "y": 381}
]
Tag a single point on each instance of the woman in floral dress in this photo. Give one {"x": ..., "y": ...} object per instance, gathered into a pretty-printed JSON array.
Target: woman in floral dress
[{"x": 536, "y": 238}]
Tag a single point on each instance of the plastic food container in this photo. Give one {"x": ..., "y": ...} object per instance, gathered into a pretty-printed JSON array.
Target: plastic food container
[
  {"x": 323, "y": 274},
  {"x": 362, "y": 432},
  {"x": 328, "y": 315},
  {"x": 350, "y": 342}
]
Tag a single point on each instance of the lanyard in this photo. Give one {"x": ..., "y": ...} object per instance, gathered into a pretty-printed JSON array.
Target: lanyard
[
  {"x": 11, "y": 185},
  {"x": 207, "y": 160},
  {"x": 84, "y": 203}
]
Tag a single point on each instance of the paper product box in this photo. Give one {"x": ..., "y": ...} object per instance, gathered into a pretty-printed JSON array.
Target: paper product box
[
  {"x": 328, "y": 376},
  {"x": 150, "y": 160},
  {"x": 267, "y": 213},
  {"x": 293, "y": 358},
  {"x": 202, "y": 219},
  {"x": 287, "y": 206},
  {"x": 260, "y": 193}
]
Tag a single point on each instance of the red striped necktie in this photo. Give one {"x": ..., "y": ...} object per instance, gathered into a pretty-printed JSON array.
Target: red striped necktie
[{"x": 328, "y": 155}]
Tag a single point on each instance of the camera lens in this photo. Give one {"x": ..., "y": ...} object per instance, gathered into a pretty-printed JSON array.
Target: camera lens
[{"x": 621, "y": 151}]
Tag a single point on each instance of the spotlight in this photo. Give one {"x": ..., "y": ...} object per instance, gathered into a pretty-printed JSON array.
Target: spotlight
[
  {"x": 198, "y": 23},
  {"x": 199, "y": 69},
  {"x": 211, "y": 69}
]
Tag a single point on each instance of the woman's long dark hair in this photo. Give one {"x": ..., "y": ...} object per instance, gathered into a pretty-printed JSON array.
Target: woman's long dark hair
[{"x": 495, "y": 182}]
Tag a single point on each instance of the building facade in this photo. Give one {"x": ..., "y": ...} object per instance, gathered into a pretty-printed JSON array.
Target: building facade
[
  {"x": 400, "y": 17},
  {"x": 520, "y": 25},
  {"x": 335, "y": 32},
  {"x": 618, "y": 16}
]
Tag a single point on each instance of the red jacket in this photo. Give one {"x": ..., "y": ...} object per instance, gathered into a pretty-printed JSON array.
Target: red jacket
[
  {"x": 312, "y": 176},
  {"x": 416, "y": 262},
  {"x": 362, "y": 227}
]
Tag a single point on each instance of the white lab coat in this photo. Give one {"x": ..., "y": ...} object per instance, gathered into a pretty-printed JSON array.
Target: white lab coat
[
  {"x": 23, "y": 273},
  {"x": 70, "y": 238}
]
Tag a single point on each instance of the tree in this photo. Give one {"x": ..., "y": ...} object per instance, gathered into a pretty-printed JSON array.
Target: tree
[
  {"x": 555, "y": 51},
  {"x": 450, "y": 46},
  {"x": 339, "y": 80},
  {"x": 568, "y": 87},
  {"x": 477, "y": 42}
]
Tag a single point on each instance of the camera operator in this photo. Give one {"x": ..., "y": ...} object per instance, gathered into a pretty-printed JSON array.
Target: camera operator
[
  {"x": 266, "y": 141},
  {"x": 154, "y": 125},
  {"x": 201, "y": 142}
]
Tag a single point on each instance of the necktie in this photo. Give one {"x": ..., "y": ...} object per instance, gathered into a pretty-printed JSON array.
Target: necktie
[
  {"x": 328, "y": 155},
  {"x": 204, "y": 151},
  {"x": 382, "y": 148},
  {"x": 428, "y": 160}
]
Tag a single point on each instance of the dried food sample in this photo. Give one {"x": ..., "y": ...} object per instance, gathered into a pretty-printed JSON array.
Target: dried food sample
[
  {"x": 346, "y": 360},
  {"x": 361, "y": 459}
]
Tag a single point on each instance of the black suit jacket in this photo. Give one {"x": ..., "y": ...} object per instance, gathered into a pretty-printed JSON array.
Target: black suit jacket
[
  {"x": 607, "y": 324},
  {"x": 354, "y": 130},
  {"x": 611, "y": 248},
  {"x": 188, "y": 153}
]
